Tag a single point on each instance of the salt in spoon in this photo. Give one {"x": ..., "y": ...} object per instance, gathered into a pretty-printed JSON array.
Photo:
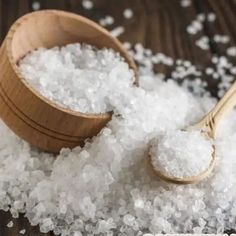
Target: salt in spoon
[{"x": 208, "y": 126}]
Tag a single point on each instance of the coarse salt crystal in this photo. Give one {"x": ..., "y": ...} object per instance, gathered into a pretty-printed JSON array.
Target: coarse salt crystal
[
  {"x": 23, "y": 231},
  {"x": 65, "y": 67},
  {"x": 211, "y": 17},
  {"x": 87, "y": 4},
  {"x": 116, "y": 32},
  {"x": 10, "y": 224},
  {"x": 95, "y": 187},
  {"x": 181, "y": 154},
  {"x": 128, "y": 13},
  {"x": 36, "y": 5},
  {"x": 231, "y": 51},
  {"x": 185, "y": 3}
]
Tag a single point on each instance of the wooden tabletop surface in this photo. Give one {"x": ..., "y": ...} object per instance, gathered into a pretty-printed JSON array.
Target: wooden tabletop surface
[{"x": 158, "y": 24}]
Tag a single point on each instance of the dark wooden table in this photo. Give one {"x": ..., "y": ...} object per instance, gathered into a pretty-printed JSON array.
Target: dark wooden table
[{"x": 157, "y": 24}]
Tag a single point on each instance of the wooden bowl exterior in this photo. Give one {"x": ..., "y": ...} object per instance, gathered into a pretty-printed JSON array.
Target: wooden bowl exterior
[{"x": 31, "y": 116}]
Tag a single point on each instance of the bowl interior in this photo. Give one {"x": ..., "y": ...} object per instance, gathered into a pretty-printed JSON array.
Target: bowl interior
[{"x": 50, "y": 28}]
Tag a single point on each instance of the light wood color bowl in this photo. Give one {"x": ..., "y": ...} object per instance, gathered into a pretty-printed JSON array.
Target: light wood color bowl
[{"x": 30, "y": 115}]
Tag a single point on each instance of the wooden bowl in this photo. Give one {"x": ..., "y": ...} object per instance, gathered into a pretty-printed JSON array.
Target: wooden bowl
[{"x": 30, "y": 115}]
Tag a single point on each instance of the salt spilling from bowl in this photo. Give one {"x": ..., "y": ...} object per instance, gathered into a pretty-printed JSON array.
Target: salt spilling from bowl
[
  {"x": 181, "y": 154},
  {"x": 105, "y": 188}
]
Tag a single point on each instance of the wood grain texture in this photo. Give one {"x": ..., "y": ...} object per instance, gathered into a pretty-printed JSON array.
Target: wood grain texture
[{"x": 157, "y": 24}]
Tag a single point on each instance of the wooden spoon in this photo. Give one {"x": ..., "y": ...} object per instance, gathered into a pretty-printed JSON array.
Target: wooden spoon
[
  {"x": 208, "y": 126},
  {"x": 30, "y": 115}
]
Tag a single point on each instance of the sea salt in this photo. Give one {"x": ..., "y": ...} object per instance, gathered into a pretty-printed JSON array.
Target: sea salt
[
  {"x": 203, "y": 43},
  {"x": 105, "y": 188},
  {"x": 23, "y": 231},
  {"x": 231, "y": 51},
  {"x": 211, "y": 17},
  {"x": 128, "y": 13},
  {"x": 185, "y": 3},
  {"x": 221, "y": 38},
  {"x": 117, "y": 31},
  {"x": 87, "y": 4},
  {"x": 10, "y": 224},
  {"x": 36, "y": 5},
  {"x": 67, "y": 75},
  {"x": 181, "y": 154},
  {"x": 108, "y": 20}
]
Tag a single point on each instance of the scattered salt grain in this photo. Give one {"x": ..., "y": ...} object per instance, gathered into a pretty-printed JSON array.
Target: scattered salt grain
[
  {"x": 108, "y": 20},
  {"x": 127, "y": 45},
  {"x": 87, "y": 4},
  {"x": 231, "y": 51},
  {"x": 128, "y": 13},
  {"x": 209, "y": 71},
  {"x": 36, "y": 5},
  {"x": 191, "y": 30},
  {"x": 201, "y": 17},
  {"x": 233, "y": 70},
  {"x": 203, "y": 43},
  {"x": 10, "y": 224},
  {"x": 221, "y": 38},
  {"x": 119, "y": 30},
  {"x": 211, "y": 17},
  {"x": 181, "y": 154},
  {"x": 23, "y": 231},
  {"x": 77, "y": 234},
  {"x": 185, "y": 3},
  {"x": 195, "y": 26}
]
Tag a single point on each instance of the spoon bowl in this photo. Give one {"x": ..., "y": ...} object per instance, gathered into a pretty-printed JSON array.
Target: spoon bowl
[
  {"x": 208, "y": 126},
  {"x": 185, "y": 180},
  {"x": 31, "y": 116}
]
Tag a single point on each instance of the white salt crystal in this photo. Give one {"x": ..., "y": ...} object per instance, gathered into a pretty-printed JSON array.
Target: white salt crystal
[
  {"x": 231, "y": 51},
  {"x": 10, "y": 224},
  {"x": 197, "y": 25},
  {"x": 68, "y": 73},
  {"x": 77, "y": 233},
  {"x": 221, "y": 38},
  {"x": 233, "y": 70},
  {"x": 116, "y": 32},
  {"x": 181, "y": 153},
  {"x": 215, "y": 75},
  {"x": 209, "y": 71},
  {"x": 23, "y": 231},
  {"x": 127, "y": 45},
  {"x": 47, "y": 225},
  {"x": 211, "y": 17},
  {"x": 185, "y": 3},
  {"x": 215, "y": 59},
  {"x": 36, "y": 5},
  {"x": 108, "y": 20},
  {"x": 203, "y": 43},
  {"x": 87, "y": 4},
  {"x": 128, "y": 13},
  {"x": 129, "y": 219},
  {"x": 201, "y": 17},
  {"x": 191, "y": 30}
]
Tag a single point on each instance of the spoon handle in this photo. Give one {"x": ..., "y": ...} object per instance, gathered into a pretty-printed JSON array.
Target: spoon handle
[{"x": 222, "y": 108}]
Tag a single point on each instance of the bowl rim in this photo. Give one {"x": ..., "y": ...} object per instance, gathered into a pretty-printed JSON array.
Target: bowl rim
[{"x": 60, "y": 13}]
